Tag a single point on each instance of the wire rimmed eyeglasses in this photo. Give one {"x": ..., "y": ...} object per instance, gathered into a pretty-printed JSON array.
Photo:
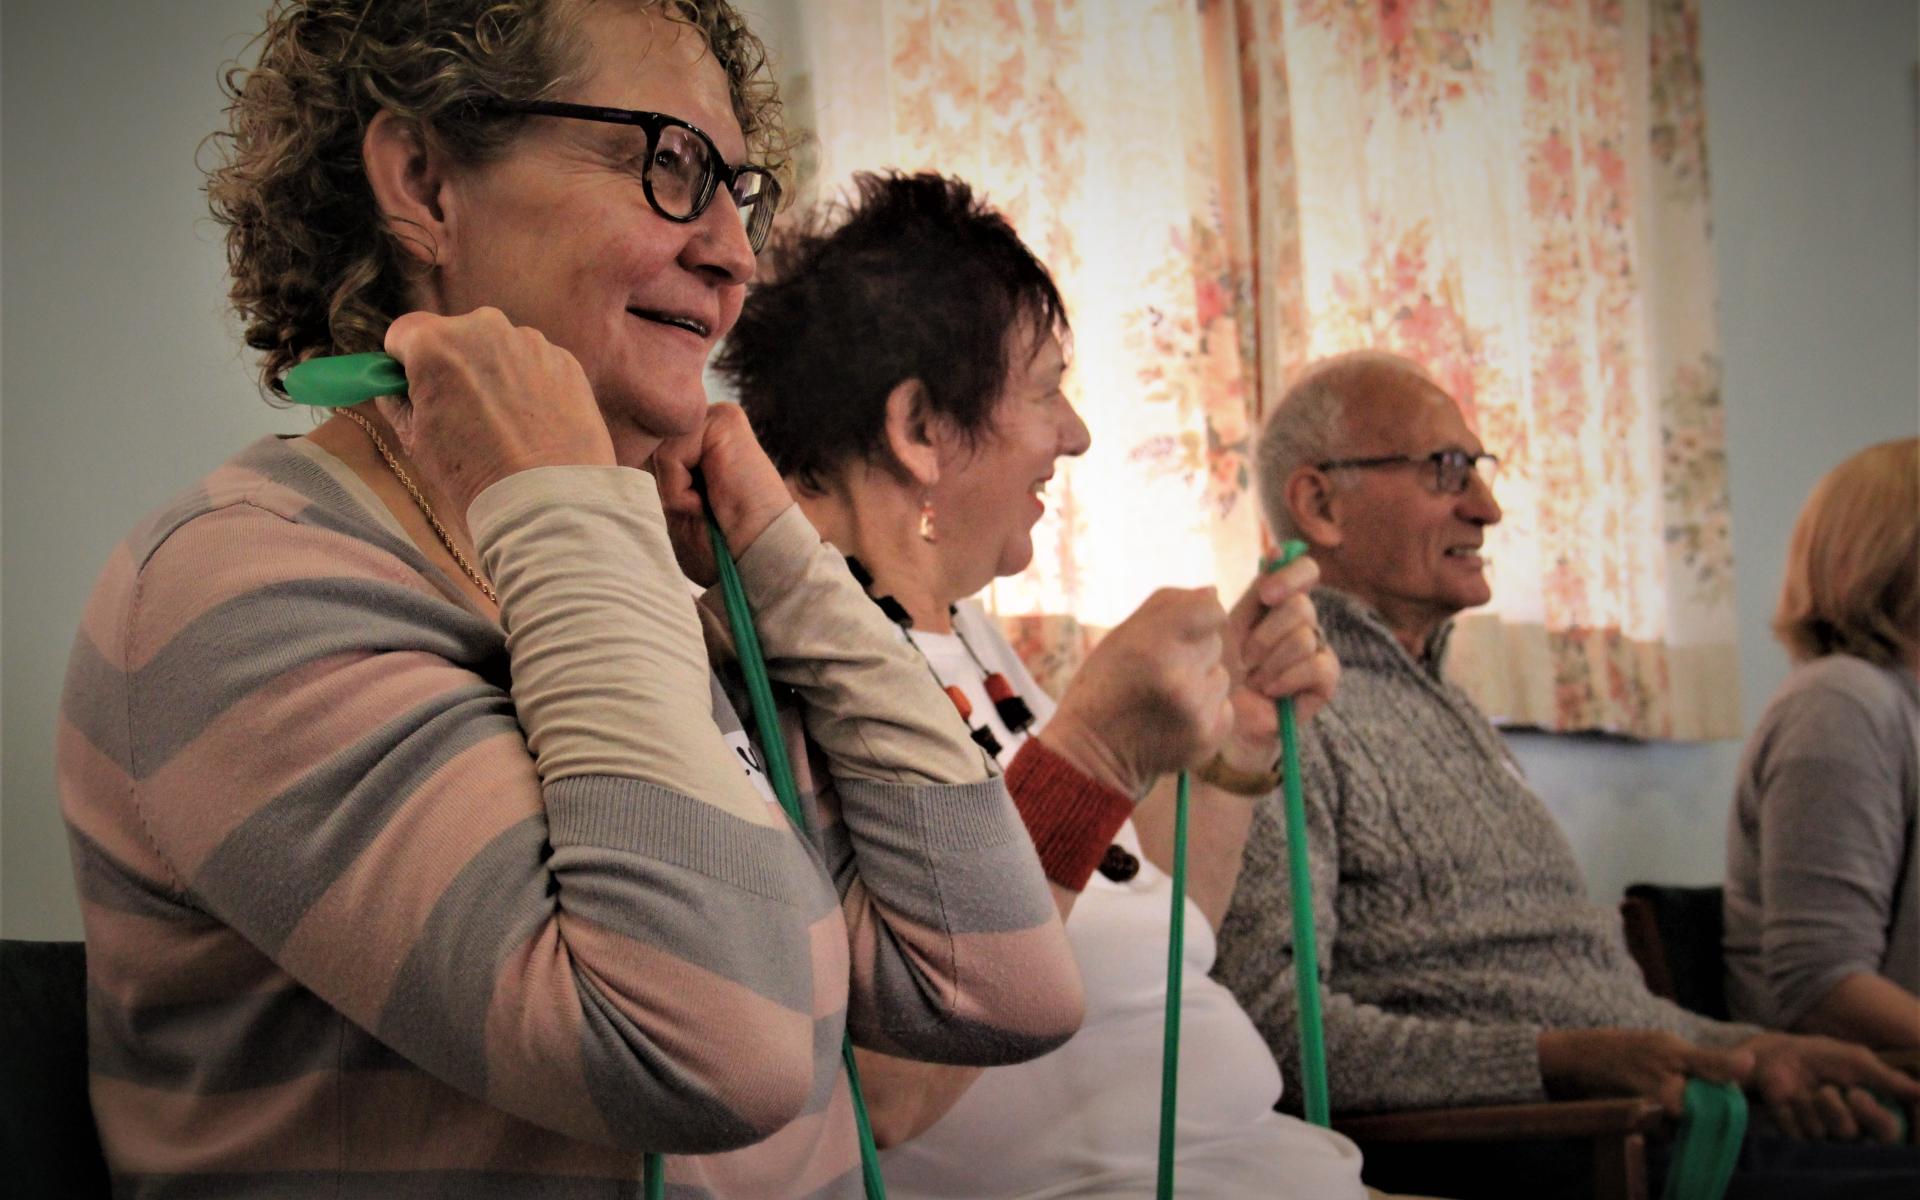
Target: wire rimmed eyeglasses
[
  {"x": 1451, "y": 468},
  {"x": 683, "y": 170}
]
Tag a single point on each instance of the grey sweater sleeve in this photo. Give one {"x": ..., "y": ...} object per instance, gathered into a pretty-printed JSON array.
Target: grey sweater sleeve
[
  {"x": 958, "y": 954},
  {"x": 1376, "y": 1060},
  {"x": 1832, "y": 844},
  {"x": 869, "y": 699}
]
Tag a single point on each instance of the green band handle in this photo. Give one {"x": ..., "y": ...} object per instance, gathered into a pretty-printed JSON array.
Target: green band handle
[
  {"x": 1306, "y": 955},
  {"x": 1708, "y": 1144},
  {"x": 339, "y": 380}
]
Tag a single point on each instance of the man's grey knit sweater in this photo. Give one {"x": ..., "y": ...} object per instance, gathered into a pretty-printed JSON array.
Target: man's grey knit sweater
[{"x": 1452, "y": 922}]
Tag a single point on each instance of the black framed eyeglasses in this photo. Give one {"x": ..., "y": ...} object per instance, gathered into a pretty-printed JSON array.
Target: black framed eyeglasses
[
  {"x": 683, "y": 169},
  {"x": 1451, "y": 468}
]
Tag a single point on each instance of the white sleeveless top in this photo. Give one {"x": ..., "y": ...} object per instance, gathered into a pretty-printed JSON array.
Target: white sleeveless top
[{"x": 1084, "y": 1120}]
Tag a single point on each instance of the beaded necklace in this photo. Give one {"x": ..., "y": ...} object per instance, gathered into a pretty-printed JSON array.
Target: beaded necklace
[
  {"x": 1118, "y": 864},
  {"x": 982, "y": 735}
]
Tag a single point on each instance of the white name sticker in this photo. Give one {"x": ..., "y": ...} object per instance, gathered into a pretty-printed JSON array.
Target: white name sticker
[{"x": 748, "y": 756}]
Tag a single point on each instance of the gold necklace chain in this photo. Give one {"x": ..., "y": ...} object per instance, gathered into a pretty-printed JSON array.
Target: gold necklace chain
[{"x": 426, "y": 510}]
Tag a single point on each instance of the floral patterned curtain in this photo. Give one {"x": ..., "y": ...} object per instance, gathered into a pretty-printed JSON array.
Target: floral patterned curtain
[{"x": 1513, "y": 192}]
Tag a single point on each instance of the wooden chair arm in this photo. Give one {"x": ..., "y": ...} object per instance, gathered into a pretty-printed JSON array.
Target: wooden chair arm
[{"x": 1510, "y": 1122}]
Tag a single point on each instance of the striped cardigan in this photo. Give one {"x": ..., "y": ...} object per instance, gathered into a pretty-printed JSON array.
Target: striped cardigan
[{"x": 370, "y": 911}]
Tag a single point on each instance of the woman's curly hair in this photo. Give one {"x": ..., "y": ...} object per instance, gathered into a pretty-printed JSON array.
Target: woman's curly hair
[{"x": 315, "y": 267}]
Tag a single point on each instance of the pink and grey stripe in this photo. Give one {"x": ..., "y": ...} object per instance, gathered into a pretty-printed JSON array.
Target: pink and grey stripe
[{"x": 343, "y": 942}]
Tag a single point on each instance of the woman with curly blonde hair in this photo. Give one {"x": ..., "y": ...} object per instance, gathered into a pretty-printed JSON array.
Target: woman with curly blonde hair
[
  {"x": 421, "y": 845},
  {"x": 1823, "y": 907}
]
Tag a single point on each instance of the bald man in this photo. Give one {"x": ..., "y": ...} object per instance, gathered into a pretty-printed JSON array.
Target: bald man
[{"x": 1461, "y": 960}]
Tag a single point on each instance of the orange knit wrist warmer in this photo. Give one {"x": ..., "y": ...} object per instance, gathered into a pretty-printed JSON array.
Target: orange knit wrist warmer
[{"x": 1070, "y": 817}]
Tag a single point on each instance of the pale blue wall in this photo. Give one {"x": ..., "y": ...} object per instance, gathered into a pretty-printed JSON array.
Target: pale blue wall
[
  {"x": 121, "y": 377},
  {"x": 1811, "y": 140}
]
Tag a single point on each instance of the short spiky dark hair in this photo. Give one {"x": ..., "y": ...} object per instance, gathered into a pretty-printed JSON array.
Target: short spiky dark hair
[{"x": 916, "y": 279}]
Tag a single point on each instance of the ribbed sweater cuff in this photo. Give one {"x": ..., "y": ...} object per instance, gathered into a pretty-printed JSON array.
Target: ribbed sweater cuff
[
  {"x": 1722, "y": 1035},
  {"x": 1070, "y": 817}
]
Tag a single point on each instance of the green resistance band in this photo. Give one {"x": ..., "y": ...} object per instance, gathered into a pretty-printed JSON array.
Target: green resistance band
[
  {"x": 753, "y": 664},
  {"x": 1306, "y": 954},
  {"x": 1176, "y": 954},
  {"x": 342, "y": 380},
  {"x": 1176, "y": 943},
  {"x": 1708, "y": 1143}
]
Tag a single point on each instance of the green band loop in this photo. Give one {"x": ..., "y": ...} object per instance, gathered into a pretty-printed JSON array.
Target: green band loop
[{"x": 1708, "y": 1144}]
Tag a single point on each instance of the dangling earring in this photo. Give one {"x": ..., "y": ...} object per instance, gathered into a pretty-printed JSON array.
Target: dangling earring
[{"x": 926, "y": 521}]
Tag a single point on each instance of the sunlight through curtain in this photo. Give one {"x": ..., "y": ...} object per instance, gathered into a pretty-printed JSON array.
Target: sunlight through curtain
[{"x": 1513, "y": 192}]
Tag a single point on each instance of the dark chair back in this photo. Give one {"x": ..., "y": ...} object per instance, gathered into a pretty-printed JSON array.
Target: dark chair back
[
  {"x": 48, "y": 1144},
  {"x": 1674, "y": 934}
]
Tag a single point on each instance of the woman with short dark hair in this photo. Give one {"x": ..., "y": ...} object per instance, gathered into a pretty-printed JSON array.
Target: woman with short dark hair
[{"x": 902, "y": 361}]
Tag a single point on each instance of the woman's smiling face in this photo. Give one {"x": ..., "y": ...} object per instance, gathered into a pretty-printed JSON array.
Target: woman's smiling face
[
  {"x": 559, "y": 234},
  {"x": 989, "y": 495}
]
